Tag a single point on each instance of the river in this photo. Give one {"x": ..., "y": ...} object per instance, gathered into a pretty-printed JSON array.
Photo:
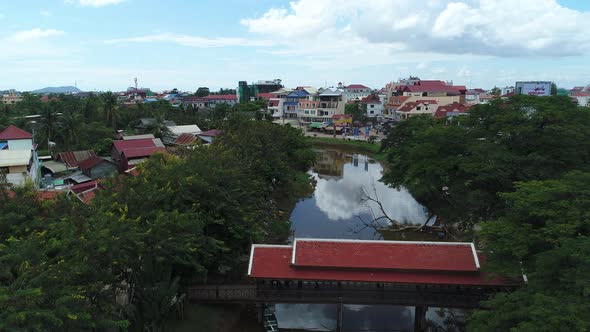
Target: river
[{"x": 337, "y": 210}]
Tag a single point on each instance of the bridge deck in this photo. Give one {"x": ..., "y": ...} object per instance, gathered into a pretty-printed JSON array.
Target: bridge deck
[{"x": 451, "y": 297}]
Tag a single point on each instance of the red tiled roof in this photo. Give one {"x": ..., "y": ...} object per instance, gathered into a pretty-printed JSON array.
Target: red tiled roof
[
  {"x": 211, "y": 133},
  {"x": 73, "y": 158},
  {"x": 90, "y": 162},
  {"x": 142, "y": 152},
  {"x": 398, "y": 100},
  {"x": 580, "y": 94},
  {"x": 82, "y": 187},
  {"x": 186, "y": 139},
  {"x": 357, "y": 86},
  {"x": 265, "y": 96},
  {"x": 408, "y": 106},
  {"x": 13, "y": 132},
  {"x": 134, "y": 144},
  {"x": 87, "y": 197},
  {"x": 385, "y": 255},
  {"x": 220, "y": 97},
  {"x": 442, "y": 111},
  {"x": 424, "y": 101},
  {"x": 275, "y": 262}
]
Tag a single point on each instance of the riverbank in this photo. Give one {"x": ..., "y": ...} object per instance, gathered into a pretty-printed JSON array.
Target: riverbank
[{"x": 371, "y": 149}]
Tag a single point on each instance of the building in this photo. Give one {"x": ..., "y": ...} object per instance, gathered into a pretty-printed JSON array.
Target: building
[
  {"x": 209, "y": 135},
  {"x": 18, "y": 156},
  {"x": 322, "y": 106},
  {"x": 292, "y": 101},
  {"x": 533, "y": 88},
  {"x": 96, "y": 168},
  {"x": 11, "y": 98},
  {"x": 72, "y": 159},
  {"x": 246, "y": 93},
  {"x": 354, "y": 92},
  {"x": 450, "y": 110},
  {"x": 581, "y": 98},
  {"x": 417, "y": 108},
  {"x": 373, "y": 105},
  {"x": 127, "y": 154}
]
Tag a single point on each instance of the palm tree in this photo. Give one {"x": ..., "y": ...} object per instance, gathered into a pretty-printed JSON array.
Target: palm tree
[
  {"x": 48, "y": 123},
  {"x": 111, "y": 110},
  {"x": 69, "y": 125},
  {"x": 159, "y": 128}
]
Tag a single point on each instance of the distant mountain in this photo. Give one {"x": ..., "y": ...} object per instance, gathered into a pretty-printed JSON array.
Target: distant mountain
[{"x": 58, "y": 89}]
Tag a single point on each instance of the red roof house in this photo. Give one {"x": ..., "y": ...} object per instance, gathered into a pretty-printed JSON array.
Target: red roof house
[
  {"x": 14, "y": 133},
  {"x": 72, "y": 159},
  {"x": 403, "y": 262},
  {"x": 126, "y": 154}
]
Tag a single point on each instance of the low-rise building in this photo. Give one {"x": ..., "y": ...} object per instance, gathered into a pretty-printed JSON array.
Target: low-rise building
[
  {"x": 18, "y": 156},
  {"x": 127, "y": 154},
  {"x": 582, "y": 98},
  {"x": 11, "y": 98},
  {"x": 354, "y": 92},
  {"x": 373, "y": 105}
]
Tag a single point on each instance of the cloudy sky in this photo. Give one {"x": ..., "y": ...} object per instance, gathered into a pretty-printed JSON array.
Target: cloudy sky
[{"x": 104, "y": 44}]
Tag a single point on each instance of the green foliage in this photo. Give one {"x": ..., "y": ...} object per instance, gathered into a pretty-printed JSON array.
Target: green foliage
[
  {"x": 202, "y": 92},
  {"x": 354, "y": 109},
  {"x": 122, "y": 262},
  {"x": 495, "y": 91},
  {"x": 457, "y": 171}
]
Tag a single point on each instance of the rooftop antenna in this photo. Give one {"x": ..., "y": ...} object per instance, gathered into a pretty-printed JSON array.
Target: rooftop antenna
[{"x": 135, "y": 94}]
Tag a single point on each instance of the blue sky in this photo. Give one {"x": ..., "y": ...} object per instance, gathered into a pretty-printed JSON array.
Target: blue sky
[{"x": 104, "y": 44}]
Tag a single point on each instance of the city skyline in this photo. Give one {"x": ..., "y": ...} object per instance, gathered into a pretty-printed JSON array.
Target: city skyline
[{"x": 104, "y": 44}]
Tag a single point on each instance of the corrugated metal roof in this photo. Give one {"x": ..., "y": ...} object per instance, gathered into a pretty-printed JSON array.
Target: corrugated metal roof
[
  {"x": 186, "y": 139},
  {"x": 54, "y": 166},
  {"x": 73, "y": 158},
  {"x": 15, "y": 157},
  {"x": 132, "y": 137},
  {"x": 185, "y": 129}
]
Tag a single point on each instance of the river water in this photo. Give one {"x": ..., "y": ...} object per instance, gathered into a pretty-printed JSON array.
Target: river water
[{"x": 337, "y": 210}]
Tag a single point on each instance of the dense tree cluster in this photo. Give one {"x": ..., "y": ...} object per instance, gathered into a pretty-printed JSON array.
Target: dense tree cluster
[
  {"x": 519, "y": 170},
  {"x": 123, "y": 261},
  {"x": 75, "y": 123}
]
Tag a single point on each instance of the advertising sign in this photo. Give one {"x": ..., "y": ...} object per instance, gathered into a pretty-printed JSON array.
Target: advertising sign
[{"x": 533, "y": 88}]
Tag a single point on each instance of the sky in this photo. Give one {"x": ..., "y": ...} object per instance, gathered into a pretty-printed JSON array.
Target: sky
[{"x": 104, "y": 44}]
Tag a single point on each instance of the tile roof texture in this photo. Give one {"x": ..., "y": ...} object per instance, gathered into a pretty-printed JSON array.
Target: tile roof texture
[
  {"x": 72, "y": 159},
  {"x": 356, "y": 263},
  {"x": 14, "y": 133}
]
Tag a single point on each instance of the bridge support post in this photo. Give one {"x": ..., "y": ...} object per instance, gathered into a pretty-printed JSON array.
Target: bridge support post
[
  {"x": 339, "y": 315},
  {"x": 420, "y": 318},
  {"x": 260, "y": 312}
]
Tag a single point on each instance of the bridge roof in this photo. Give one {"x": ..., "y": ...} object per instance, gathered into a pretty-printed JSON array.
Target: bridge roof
[
  {"x": 371, "y": 261},
  {"x": 385, "y": 255}
]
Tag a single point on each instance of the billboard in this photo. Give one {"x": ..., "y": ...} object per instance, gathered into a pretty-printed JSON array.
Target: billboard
[{"x": 533, "y": 88}]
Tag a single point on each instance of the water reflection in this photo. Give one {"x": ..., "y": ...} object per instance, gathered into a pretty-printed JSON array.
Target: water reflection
[{"x": 336, "y": 209}]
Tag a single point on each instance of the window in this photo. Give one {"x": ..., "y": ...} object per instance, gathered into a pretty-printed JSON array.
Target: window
[
  {"x": 418, "y": 108},
  {"x": 372, "y": 106}
]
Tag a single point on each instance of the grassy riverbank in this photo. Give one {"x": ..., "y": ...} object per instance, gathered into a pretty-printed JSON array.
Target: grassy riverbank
[{"x": 371, "y": 149}]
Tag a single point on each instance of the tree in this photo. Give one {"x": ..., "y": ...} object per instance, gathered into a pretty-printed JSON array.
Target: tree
[
  {"x": 545, "y": 232},
  {"x": 202, "y": 92},
  {"x": 69, "y": 126},
  {"x": 355, "y": 110},
  {"x": 495, "y": 91},
  {"x": 553, "y": 89},
  {"x": 48, "y": 122},
  {"x": 110, "y": 109}
]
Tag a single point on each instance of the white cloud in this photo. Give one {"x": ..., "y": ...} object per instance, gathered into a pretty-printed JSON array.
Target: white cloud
[
  {"x": 36, "y": 33},
  {"x": 503, "y": 28},
  {"x": 192, "y": 41},
  {"x": 45, "y": 13},
  {"x": 94, "y": 3}
]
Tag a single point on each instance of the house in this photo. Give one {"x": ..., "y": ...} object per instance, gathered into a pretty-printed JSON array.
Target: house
[
  {"x": 291, "y": 103},
  {"x": 72, "y": 159},
  {"x": 450, "y": 110},
  {"x": 418, "y": 107},
  {"x": 187, "y": 140},
  {"x": 11, "y": 98},
  {"x": 127, "y": 154},
  {"x": 145, "y": 124},
  {"x": 18, "y": 156},
  {"x": 322, "y": 106},
  {"x": 372, "y": 105},
  {"x": 582, "y": 98},
  {"x": 177, "y": 131},
  {"x": 433, "y": 88},
  {"x": 211, "y": 100},
  {"x": 96, "y": 167},
  {"x": 209, "y": 135},
  {"x": 354, "y": 92}
]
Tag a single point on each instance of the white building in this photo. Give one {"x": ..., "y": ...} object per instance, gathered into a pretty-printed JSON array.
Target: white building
[
  {"x": 18, "y": 158},
  {"x": 354, "y": 92}
]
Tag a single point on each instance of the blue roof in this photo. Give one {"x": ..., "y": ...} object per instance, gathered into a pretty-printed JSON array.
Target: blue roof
[
  {"x": 3, "y": 146},
  {"x": 291, "y": 103},
  {"x": 298, "y": 93}
]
